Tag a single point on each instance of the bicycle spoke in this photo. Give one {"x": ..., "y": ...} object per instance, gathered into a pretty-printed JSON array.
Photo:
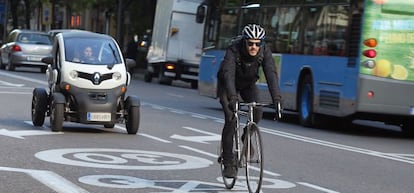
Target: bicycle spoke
[{"x": 254, "y": 156}]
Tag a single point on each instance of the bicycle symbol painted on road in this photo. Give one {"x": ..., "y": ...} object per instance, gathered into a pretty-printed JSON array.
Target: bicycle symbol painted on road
[
  {"x": 130, "y": 182},
  {"x": 125, "y": 159}
]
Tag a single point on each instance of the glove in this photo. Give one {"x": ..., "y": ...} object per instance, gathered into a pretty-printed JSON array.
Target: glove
[
  {"x": 233, "y": 103},
  {"x": 278, "y": 108}
]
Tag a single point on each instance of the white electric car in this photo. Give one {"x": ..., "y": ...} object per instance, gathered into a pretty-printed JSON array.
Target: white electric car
[{"x": 87, "y": 91}]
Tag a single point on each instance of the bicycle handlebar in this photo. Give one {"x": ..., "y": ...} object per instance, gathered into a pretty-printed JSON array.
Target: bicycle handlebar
[
  {"x": 254, "y": 104},
  {"x": 278, "y": 115}
]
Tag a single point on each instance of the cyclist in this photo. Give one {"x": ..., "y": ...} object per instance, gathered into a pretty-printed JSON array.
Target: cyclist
[{"x": 238, "y": 74}]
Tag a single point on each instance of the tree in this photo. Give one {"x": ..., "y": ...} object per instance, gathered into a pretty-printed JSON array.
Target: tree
[{"x": 13, "y": 9}]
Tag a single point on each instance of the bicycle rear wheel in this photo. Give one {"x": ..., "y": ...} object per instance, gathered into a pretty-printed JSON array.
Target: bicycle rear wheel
[
  {"x": 254, "y": 158},
  {"x": 228, "y": 182}
]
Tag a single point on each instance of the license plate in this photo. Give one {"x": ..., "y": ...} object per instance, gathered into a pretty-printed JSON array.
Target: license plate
[
  {"x": 33, "y": 58},
  {"x": 98, "y": 116}
]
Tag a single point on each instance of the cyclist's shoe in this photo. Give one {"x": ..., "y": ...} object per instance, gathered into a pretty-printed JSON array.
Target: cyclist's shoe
[{"x": 230, "y": 171}]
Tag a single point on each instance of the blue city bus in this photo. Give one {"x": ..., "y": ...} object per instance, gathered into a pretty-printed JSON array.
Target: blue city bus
[{"x": 342, "y": 59}]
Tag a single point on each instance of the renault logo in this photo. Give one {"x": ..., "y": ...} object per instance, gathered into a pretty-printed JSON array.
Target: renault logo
[{"x": 96, "y": 78}]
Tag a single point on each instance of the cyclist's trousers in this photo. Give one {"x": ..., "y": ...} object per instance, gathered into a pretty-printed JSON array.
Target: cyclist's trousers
[{"x": 248, "y": 94}]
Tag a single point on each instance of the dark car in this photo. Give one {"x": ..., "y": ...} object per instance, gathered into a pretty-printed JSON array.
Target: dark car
[{"x": 25, "y": 48}]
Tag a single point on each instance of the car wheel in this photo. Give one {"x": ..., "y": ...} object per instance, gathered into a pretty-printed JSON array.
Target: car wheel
[
  {"x": 39, "y": 106},
  {"x": 56, "y": 116},
  {"x": 2, "y": 66},
  {"x": 132, "y": 120},
  {"x": 10, "y": 66},
  {"x": 163, "y": 79},
  {"x": 147, "y": 77}
]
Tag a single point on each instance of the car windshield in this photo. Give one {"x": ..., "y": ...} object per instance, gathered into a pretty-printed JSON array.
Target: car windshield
[
  {"x": 91, "y": 51},
  {"x": 32, "y": 38}
]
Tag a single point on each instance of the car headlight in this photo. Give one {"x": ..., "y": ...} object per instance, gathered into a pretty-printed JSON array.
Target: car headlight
[
  {"x": 116, "y": 76},
  {"x": 73, "y": 74}
]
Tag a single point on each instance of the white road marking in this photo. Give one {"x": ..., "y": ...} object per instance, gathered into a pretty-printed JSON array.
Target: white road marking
[
  {"x": 24, "y": 78},
  {"x": 10, "y": 84},
  {"x": 391, "y": 156},
  {"x": 198, "y": 139},
  {"x": 317, "y": 187},
  {"x": 175, "y": 95},
  {"x": 122, "y": 159},
  {"x": 145, "y": 135},
  {"x": 20, "y": 133},
  {"x": 339, "y": 146},
  {"x": 25, "y": 93},
  {"x": 154, "y": 138},
  {"x": 215, "y": 156},
  {"x": 50, "y": 179},
  {"x": 198, "y": 151}
]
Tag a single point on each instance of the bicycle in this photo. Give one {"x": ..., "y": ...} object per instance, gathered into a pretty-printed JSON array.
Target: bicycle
[{"x": 250, "y": 154}]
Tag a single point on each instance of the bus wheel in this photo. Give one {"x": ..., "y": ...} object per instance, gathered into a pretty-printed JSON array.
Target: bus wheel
[
  {"x": 194, "y": 84},
  {"x": 408, "y": 129},
  {"x": 305, "y": 102}
]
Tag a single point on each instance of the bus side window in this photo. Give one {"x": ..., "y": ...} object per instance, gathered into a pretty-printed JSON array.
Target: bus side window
[{"x": 309, "y": 32}]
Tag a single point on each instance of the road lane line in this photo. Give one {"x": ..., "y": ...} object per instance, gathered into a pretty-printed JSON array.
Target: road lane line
[
  {"x": 50, "y": 179},
  {"x": 175, "y": 95},
  {"x": 23, "y": 78},
  {"x": 317, "y": 187},
  {"x": 10, "y": 84},
  {"x": 25, "y": 93},
  {"x": 338, "y": 146},
  {"x": 154, "y": 138},
  {"x": 145, "y": 135},
  {"x": 198, "y": 151},
  {"x": 56, "y": 182},
  {"x": 393, "y": 156}
]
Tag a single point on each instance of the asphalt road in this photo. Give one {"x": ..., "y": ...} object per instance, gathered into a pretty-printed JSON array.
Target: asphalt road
[{"x": 175, "y": 149}]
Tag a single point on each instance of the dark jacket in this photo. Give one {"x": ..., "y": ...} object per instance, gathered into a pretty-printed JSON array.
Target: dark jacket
[{"x": 239, "y": 70}]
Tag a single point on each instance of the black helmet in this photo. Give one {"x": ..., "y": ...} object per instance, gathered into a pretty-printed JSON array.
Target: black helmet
[{"x": 253, "y": 31}]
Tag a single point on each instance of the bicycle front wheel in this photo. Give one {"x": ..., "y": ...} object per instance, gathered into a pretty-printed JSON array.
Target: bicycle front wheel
[{"x": 254, "y": 158}]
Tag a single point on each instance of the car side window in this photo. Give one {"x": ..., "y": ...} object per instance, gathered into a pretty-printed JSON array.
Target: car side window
[
  {"x": 12, "y": 37},
  {"x": 24, "y": 39}
]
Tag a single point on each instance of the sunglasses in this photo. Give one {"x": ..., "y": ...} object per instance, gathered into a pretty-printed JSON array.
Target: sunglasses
[{"x": 258, "y": 44}]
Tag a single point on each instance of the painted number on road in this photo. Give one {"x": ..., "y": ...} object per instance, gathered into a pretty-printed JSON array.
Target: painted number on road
[{"x": 122, "y": 159}]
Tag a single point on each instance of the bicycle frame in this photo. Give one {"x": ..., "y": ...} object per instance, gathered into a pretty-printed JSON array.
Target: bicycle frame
[
  {"x": 245, "y": 150},
  {"x": 238, "y": 128},
  {"x": 249, "y": 114}
]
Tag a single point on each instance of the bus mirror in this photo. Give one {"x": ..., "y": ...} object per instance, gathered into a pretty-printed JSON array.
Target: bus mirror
[{"x": 201, "y": 14}]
